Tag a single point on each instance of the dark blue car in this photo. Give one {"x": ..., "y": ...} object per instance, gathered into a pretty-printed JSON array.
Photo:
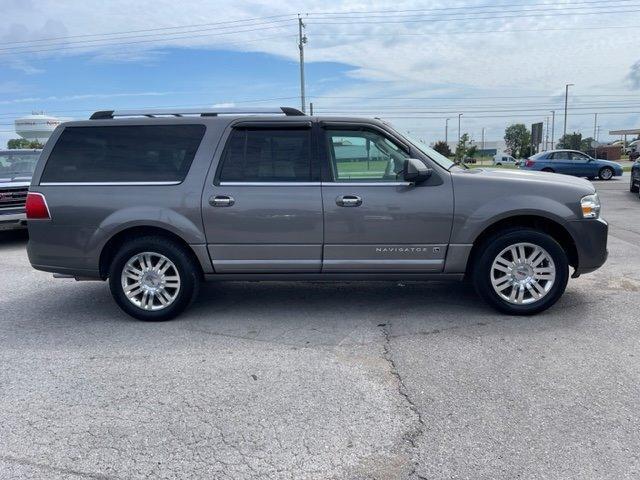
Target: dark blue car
[
  {"x": 634, "y": 184},
  {"x": 572, "y": 162}
]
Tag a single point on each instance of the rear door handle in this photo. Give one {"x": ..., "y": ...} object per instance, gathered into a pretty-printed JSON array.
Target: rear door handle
[
  {"x": 349, "y": 201},
  {"x": 221, "y": 201}
]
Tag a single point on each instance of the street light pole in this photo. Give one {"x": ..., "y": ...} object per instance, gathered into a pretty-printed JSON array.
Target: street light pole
[
  {"x": 595, "y": 126},
  {"x": 566, "y": 101},
  {"x": 459, "y": 135},
  {"x": 446, "y": 131}
]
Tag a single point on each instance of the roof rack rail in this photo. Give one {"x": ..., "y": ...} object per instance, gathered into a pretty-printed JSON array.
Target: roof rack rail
[{"x": 203, "y": 112}]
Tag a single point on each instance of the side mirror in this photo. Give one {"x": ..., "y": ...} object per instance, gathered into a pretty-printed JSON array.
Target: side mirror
[{"x": 415, "y": 171}]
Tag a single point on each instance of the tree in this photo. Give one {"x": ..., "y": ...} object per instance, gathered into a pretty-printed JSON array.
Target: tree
[
  {"x": 442, "y": 148},
  {"x": 461, "y": 149},
  {"x": 585, "y": 144},
  {"x": 571, "y": 141},
  {"x": 518, "y": 140},
  {"x": 23, "y": 143},
  {"x": 473, "y": 150}
]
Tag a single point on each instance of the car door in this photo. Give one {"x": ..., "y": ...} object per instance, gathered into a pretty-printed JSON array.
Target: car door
[
  {"x": 582, "y": 166},
  {"x": 561, "y": 163},
  {"x": 262, "y": 208},
  {"x": 374, "y": 220}
]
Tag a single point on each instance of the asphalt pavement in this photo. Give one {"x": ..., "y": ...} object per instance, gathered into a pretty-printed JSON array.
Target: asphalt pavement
[{"x": 324, "y": 381}]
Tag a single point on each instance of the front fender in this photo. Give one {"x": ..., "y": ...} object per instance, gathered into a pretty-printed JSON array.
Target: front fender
[{"x": 473, "y": 219}]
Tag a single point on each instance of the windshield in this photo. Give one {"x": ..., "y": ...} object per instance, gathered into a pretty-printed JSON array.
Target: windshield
[
  {"x": 14, "y": 164},
  {"x": 440, "y": 159}
]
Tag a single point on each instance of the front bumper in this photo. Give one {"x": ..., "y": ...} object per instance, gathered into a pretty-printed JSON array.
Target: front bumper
[
  {"x": 590, "y": 237},
  {"x": 14, "y": 218}
]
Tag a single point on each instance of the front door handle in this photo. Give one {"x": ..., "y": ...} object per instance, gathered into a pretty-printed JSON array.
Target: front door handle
[
  {"x": 221, "y": 201},
  {"x": 349, "y": 201}
]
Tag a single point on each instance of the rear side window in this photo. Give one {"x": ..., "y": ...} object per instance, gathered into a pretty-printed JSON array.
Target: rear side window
[
  {"x": 267, "y": 155},
  {"x": 142, "y": 153}
]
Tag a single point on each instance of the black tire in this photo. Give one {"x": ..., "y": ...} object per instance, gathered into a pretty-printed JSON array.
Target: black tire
[
  {"x": 606, "y": 173},
  {"x": 188, "y": 271},
  {"x": 491, "y": 248},
  {"x": 547, "y": 169},
  {"x": 633, "y": 188}
]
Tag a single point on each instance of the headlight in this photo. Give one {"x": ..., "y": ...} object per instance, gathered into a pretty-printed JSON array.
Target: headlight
[{"x": 590, "y": 206}]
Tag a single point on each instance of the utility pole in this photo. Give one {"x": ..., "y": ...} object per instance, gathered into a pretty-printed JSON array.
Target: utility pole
[
  {"x": 546, "y": 134},
  {"x": 302, "y": 40},
  {"x": 483, "y": 138},
  {"x": 459, "y": 115},
  {"x": 446, "y": 131},
  {"x": 553, "y": 127},
  {"x": 566, "y": 101},
  {"x": 595, "y": 126}
]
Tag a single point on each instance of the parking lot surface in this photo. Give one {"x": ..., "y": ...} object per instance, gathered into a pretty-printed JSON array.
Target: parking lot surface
[{"x": 322, "y": 381}]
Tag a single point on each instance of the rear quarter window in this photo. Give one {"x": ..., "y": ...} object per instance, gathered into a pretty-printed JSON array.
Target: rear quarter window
[{"x": 114, "y": 154}]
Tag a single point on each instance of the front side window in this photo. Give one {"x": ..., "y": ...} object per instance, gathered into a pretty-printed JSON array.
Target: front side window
[
  {"x": 579, "y": 157},
  {"x": 364, "y": 156},
  {"x": 115, "y": 154},
  {"x": 267, "y": 155}
]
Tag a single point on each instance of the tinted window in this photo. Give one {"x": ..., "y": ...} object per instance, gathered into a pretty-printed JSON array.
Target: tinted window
[
  {"x": 267, "y": 155},
  {"x": 143, "y": 153},
  {"x": 561, "y": 156},
  {"x": 364, "y": 156}
]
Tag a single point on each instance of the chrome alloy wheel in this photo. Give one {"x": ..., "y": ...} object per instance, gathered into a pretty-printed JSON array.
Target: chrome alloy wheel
[
  {"x": 607, "y": 173},
  {"x": 150, "y": 281},
  {"x": 523, "y": 273}
]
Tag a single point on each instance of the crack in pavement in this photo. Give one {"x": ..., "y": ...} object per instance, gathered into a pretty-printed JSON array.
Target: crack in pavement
[
  {"x": 67, "y": 471},
  {"x": 411, "y": 436}
]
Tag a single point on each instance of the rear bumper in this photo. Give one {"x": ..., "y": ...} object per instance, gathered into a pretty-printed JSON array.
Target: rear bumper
[{"x": 591, "y": 243}]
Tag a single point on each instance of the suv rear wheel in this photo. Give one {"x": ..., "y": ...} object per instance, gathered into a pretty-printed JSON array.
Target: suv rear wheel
[
  {"x": 521, "y": 272},
  {"x": 153, "y": 278}
]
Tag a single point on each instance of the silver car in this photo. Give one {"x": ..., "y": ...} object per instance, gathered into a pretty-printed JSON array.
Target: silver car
[
  {"x": 16, "y": 169},
  {"x": 157, "y": 201}
]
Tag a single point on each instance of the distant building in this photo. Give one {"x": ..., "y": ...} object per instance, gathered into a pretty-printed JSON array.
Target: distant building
[{"x": 36, "y": 126}]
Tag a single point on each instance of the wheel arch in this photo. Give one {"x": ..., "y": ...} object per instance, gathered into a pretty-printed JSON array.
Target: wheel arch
[
  {"x": 116, "y": 241},
  {"x": 549, "y": 226}
]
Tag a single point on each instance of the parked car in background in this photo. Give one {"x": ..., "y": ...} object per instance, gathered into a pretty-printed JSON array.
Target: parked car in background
[
  {"x": 573, "y": 162},
  {"x": 634, "y": 183},
  {"x": 503, "y": 159},
  {"x": 158, "y": 201},
  {"x": 16, "y": 170}
]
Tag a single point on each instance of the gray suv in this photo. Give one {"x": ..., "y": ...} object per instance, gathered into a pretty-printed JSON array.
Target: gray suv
[{"x": 157, "y": 201}]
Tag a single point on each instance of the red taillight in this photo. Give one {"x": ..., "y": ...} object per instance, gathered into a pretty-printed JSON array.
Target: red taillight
[
  {"x": 36, "y": 207},
  {"x": 529, "y": 163}
]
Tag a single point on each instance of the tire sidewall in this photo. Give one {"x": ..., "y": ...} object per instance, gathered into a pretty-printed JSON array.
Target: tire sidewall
[
  {"x": 189, "y": 279},
  {"x": 493, "y": 246}
]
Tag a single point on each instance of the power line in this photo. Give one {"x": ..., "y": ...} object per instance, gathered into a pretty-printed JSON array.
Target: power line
[
  {"x": 149, "y": 29},
  {"x": 466, "y": 7},
  {"x": 466, "y": 19}
]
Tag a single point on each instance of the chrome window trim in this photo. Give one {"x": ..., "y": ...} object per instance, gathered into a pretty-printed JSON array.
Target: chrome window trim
[
  {"x": 367, "y": 184},
  {"x": 107, "y": 184},
  {"x": 315, "y": 184},
  {"x": 270, "y": 184}
]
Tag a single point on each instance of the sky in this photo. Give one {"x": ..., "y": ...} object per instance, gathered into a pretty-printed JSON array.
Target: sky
[{"x": 412, "y": 63}]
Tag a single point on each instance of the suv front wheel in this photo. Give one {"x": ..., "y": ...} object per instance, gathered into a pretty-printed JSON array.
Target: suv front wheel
[
  {"x": 521, "y": 272},
  {"x": 153, "y": 278}
]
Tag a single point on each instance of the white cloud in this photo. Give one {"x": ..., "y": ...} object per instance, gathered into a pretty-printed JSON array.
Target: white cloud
[{"x": 412, "y": 58}]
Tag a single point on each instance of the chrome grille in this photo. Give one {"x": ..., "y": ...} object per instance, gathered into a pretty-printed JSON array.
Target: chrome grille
[{"x": 13, "y": 197}]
